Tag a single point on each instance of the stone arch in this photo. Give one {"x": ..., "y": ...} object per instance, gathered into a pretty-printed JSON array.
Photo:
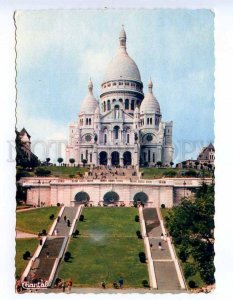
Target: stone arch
[
  {"x": 82, "y": 197},
  {"x": 116, "y": 130},
  {"x": 140, "y": 197},
  {"x": 103, "y": 158},
  {"x": 127, "y": 158},
  {"x": 111, "y": 197}
]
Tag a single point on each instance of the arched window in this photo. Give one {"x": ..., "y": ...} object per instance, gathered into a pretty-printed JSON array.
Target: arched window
[
  {"x": 108, "y": 105},
  {"x": 113, "y": 100},
  {"x": 132, "y": 104},
  {"x": 120, "y": 100},
  {"x": 104, "y": 106},
  {"x": 148, "y": 120},
  {"x": 116, "y": 132},
  {"x": 126, "y": 103},
  {"x": 105, "y": 138},
  {"x": 90, "y": 157},
  {"x": 89, "y": 121},
  {"x": 127, "y": 138},
  {"x": 86, "y": 121}
]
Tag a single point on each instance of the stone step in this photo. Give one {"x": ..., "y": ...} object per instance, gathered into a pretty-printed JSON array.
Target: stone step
[
  {"x": 53, "y": 246},
  {"x": 166, "y": 275},
  {"x": 61, "y": 227}
]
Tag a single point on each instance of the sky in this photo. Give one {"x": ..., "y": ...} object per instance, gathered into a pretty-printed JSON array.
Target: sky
[{"x": 59, "y": 50}]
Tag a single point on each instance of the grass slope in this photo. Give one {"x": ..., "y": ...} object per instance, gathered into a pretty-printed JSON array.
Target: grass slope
[
  {"x": 23, "y": 245},
  {"x": 35, "y": 220},
  {"x": 106, "y": 249}
]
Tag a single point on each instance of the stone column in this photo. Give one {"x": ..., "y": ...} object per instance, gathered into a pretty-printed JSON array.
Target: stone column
[{"x": 121, "y": 161}]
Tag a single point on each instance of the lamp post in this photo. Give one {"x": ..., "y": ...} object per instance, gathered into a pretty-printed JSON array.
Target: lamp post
[{"x": 184, "y": 183}]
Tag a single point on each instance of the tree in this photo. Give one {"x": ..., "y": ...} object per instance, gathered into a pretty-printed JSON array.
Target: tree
[
  {"x": 171, "y": 163},
  {"x": 159, "y": 164},
  {"x": 196, "y": 163},
  {"x": 60, "y": 160},
  {"x": 72, "y": 160},
  {"x": 191, "y": 224},
  {"x": 84, "y": 161},
  {"x": 184, "y": 164},
  {"x": 47, "y": 160}
]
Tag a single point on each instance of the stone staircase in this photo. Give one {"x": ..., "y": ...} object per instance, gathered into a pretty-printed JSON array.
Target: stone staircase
[
  {"x": 61, "y": 227},
  {"x": 43, "y": 264},
  {"x": 113, "y": 173},
  {"x": 164, "y": 266}
]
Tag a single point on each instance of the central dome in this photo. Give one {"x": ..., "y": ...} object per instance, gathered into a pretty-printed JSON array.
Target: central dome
[{"x": 122, "y": 66}]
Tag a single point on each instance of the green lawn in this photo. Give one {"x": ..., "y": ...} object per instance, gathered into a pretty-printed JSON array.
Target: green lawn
[
  {"x": 23, "y": 245},
  {"x": 35, "y": 220},
  {"x": 106, "y": 249},
  {"x": 65, "y": 171},
  {"x": 151, "y": 173}
]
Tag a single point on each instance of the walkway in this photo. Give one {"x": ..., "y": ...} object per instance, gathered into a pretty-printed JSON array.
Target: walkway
[
  {"x": 61, "y": 227},
  {"x": 24, "y": 235},
  {"x": 52, "y": 248},
  {"x": 164, "y": 266}
]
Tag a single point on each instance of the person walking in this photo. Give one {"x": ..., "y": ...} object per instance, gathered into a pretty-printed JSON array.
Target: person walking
[
  {"x": 162, "y": 236},
  {"x": 69, "y": 285},
  {"x": 103, "y": 284},
  {"x": 121, "y": 282},
  {"x": 65, "y": 218},
  {"x": 63, "y": 286},
  {"x": 160, "y": 245}
]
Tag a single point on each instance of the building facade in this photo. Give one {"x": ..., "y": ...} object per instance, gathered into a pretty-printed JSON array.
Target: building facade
[{"x": 126, "y": 127}]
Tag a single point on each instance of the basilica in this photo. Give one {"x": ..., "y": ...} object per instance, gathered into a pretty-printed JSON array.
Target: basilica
[{"x": 126, "y": 127}]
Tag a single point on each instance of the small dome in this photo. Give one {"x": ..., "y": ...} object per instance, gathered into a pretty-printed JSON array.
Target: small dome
[
  {"x": 89, "y": 103},
  {"x": 150, "y": 103}
]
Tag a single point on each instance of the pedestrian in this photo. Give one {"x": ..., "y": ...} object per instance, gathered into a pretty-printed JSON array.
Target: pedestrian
[
  {"x": 68, "y": 223},
  {"x": 160, "y": 245},
  {"x": 165, "y": 237},
  {"x": 103, "y": 284},
  {"x": 63, "y": 286},
  {"x": 40, "y": 241},
  {"x": 162, "y": 236},
  {"x": 115, "y": 285},
  {"x": 151, "y": 245},
  {"x": 69, "y": 285},
  {"x": 121, "y": 282},
  {"x": 65, "y": 218},
  {"x": 47, "y": 254},
  {"x": 58, "y": 219}
]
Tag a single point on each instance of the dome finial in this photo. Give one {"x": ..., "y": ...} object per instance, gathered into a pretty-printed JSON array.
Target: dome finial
[
  {"x": 150, "y": 85},
  {"x": 90, "y": 86},
  {"x": 122, "y": 38}
]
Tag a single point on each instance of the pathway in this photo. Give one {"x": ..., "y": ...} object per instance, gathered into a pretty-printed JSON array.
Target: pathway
[
  {"x": 53, "y": 248},
  {"x": 23, "y": 235},
  {"x": 164, "y": 266},
  {"x": 61, "y": 227}
]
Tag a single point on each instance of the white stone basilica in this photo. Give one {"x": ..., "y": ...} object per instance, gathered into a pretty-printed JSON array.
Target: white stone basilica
[{"x": 126, "y": 128}]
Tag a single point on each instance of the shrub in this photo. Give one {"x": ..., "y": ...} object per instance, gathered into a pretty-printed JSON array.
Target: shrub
[
  {"x": 26, "y": 255},
  {"x": 192, "y": 284},
  {"x": 145, "y": 284},
  {"x": 81, "y": 218},
  {"x": 135, "y": 205},
  {"x": 170, "y": 173},
  {"x": 183, "y": 256},
  {"x": 76, "y": 233},
  {"x": 163, "y": 206},
  {"x": 189, "y": 270},
  {"x": 136, "y": 218},
  {"x": 58, "y": 204},
  {"x": 42, "y": 172},
  {"x": 51, "y": 217},
  {"x": 44, "y": 232},
  {"x": 142, "y": 257},
  {"x": 67, "y": 256},
  {"x": 138, "y": 232}
]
